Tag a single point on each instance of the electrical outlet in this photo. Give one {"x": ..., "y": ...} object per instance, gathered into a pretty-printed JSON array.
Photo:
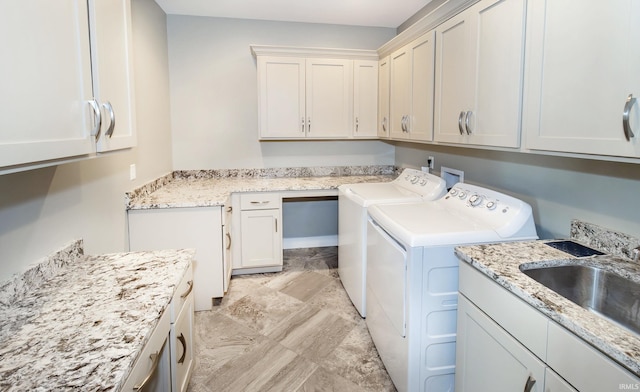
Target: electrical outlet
[
  {"x": 132, "y": 171},
  {"x": 430, "y": 162}
]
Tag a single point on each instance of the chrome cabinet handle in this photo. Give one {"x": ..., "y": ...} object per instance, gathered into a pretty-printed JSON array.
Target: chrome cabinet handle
[
  {"x": 229, "y": 242},
  {"x": 628, "y": 133},
  {"x": 467, "y": 116},
  {"x": 260, "y": 202},
  {"x": 97, "y": 118},
  {"x": 155, "y": 358},
  {"x": 183, "y": 341},
  {"x": 384, "y": 124},
  {"x": 186, "y": 293},
  {"x": 302, "y": 124},
  {"x": 356, "y": 124},
  {"x": 309, "y": 124},
  {"x": 528, "y": 386},
  {"x": 112, "y": 119},
  {"x": 460, "y": 127},
  {"x": 276, "y": 225}
]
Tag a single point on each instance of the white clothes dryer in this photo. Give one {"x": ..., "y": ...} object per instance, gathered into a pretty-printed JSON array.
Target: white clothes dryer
[
  {"x": 412, "y": 277},
  {"x": 353, "y": 199}
]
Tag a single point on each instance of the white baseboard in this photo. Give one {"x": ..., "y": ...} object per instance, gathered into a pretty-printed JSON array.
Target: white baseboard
[{"x": 310, "y": 242}]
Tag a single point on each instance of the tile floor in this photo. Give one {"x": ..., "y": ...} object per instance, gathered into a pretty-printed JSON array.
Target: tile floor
[{"x": 295, "y": 330}]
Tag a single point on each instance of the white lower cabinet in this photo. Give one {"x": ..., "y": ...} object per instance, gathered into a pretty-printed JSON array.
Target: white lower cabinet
[
  {"x": 260, "y": 233},
  {"x": 199, "y": 228},
  {"x": 489, "y": 359},
  {"x": 181, "y": 336},
  {"x": 166, "y": 361},
  {"x": 504, "y": 344}
]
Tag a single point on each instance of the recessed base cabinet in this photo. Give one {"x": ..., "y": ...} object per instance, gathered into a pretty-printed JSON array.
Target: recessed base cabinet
[
  {"x": 166, "y": 361},
  {"x": 200, "y": 228},
  {"x": 258, "y": 229},
  {"x": 504, "y": 344}
]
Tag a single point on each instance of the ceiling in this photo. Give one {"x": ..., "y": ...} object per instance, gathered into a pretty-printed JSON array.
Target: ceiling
[{"x": 379, "y": 13}]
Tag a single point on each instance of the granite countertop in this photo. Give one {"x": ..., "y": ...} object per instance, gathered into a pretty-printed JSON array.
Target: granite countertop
[
  {"x": 213, "y": 187},
  {"x": 81, "y": 322},
  {"x": 501, "y": 263}
]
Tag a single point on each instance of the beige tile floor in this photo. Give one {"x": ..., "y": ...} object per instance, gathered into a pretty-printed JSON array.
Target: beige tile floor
[{"x": 295, "y": 330}]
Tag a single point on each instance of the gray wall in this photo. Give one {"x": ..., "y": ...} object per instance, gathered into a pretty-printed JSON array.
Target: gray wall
[
  {"x": 214, "y": 94},
  {"x": 558, "y": 189},
  {"x": 43, "y": 210}
]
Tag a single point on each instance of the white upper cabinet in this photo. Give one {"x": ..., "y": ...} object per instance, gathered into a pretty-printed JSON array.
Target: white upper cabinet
[
  {"x": 315, "y": 93},
  {"x": 112, "y": 70},
  {"x": 479, "y": 74},
  {"x": 365, "y": 99},
  {"x": 58, "y": 56},
  {"x": 411, "y": 90},
  {"x": 329, "y": 98},
  {"x": 583, "y": 63},
  {"x": 383, "y": 98},
  {"x": 45, "y": 74}
]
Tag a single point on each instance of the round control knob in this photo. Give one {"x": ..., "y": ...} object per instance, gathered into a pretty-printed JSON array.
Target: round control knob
[
  {"x": 453, "y": 192},
  {"x": 423, "y": 182},
  {"x": 491, "y": 205},
  {"x": 414, "y": 179},
  {"x": 462, "y": 195},
  {"x": 475, "y": 200}
]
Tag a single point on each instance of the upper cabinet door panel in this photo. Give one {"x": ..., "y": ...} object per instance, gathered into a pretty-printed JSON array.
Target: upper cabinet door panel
[
  {"x": 420, "y": 124},
  {"x": 45, "y": 76},
  {"x": 281, "y": 91},
  {"x": 365, "y": 98},
  {"x": 112, "y": 69},
  {"x": 582, "y": 64},
  {"x": 499, "y": 73},
  {"x": 383, "y": 98},
  {"x": 400, "y": 91},
  {"x": 453, "y": 88},
  {"x": 329, "y": 85}
]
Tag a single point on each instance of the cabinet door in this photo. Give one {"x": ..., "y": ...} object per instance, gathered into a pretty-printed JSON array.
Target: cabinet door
[
  {"x": 420, "y": 122},
  {"x": 365, "y": 99},
  {"x": 329, "y": 98},
  {"x": 261, "y": 238},
  {"x": 454, "y": 62},
  {"x": 281, "y": 97},
  {"x": 112, "y": 70},
  {"x": 199, "y": 228},
  {"x": 488, "y": 358},
  {"x": 498, "y": 77},
  {"x": 45, "y": 74},
  {"x": 182, "y": 347},
  {"x": 582, "y": 63},
  {"x": 383, "y": 98},
  {"x": 400, "y": 92}
]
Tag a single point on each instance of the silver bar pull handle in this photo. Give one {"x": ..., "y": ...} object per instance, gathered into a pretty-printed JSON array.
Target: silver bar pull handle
[
  {"x": 97, "y": 119},
  {"x": 628, "y": 133},
  {"x": 302, "y": 124},
  {"x": 276, "y": 225},
  {"x": 155, "y": 358},
  {"x": 528, "y": 386},
  {"x": 183, "y": 341},
  {"x": 467, "y": 117},
  {"x": 186, "y": 293},
  {"x": 356, "y": 124},
  {"x": 309, "y": 124},
  {"x": 384, "y": 124},
  {"x": 229, "y": 241},
  {"x": 112, "y": 119},
  {"x": 460, "y": 126}
]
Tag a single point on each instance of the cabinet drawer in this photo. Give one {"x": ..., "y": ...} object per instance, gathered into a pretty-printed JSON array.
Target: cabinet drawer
[
  {"x": 184, "y": 291},
  {"x": 260, "y": 201}
]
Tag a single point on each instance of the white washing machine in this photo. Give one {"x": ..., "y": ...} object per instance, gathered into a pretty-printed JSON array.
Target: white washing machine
[
  {"x": 353, "y": 199},
  {"x": 412, "y": 277}
]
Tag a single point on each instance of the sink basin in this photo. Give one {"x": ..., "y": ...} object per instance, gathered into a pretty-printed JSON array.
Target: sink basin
[{"x": 605, "y": 293}]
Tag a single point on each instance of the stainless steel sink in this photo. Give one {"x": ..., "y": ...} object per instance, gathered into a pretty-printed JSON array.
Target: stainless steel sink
[{"x": 605, "y": 293}]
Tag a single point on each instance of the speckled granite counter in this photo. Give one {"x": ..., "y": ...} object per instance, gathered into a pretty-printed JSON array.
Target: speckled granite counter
[
  {"x": 79, "y": 322},
  {"x": 501, "y": 263},
  {"x": 213, "y": 187}
]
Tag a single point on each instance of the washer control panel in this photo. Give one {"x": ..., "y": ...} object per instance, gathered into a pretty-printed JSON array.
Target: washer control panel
[
  {"x": 486, "y": 205},
  {"x": 422, "y": 182}
]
